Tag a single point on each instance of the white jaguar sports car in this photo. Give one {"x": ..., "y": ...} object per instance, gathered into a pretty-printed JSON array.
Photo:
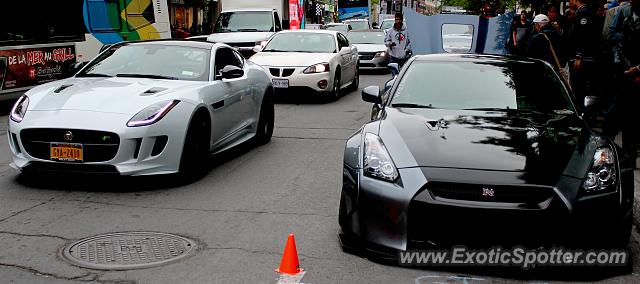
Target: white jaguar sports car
[{"x": 143, "y": 108}]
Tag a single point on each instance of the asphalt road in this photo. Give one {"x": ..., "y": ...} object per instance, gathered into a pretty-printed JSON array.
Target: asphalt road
[{"x": 240, "y": 213}]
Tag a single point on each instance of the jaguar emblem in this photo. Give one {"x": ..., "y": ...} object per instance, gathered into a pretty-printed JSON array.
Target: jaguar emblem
[{"x": 68, "y": 136}]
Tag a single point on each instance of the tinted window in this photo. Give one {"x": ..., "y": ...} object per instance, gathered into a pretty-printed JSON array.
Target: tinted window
[
  {"x": 152, "y": 60},
  {"x": 366, "y": 37},
  {"x": 301, "y": 42},
  {"x": 475, "y": 85},
  {"x": 342, "y": 40},
  {"x": 244, "y": 22}
]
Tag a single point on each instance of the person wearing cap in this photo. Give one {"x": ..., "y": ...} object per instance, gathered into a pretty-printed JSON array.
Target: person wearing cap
[{"x": 545, "y": 38}]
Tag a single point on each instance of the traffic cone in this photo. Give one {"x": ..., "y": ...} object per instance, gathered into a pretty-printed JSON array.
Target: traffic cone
[{"x": 289, "y": 264}]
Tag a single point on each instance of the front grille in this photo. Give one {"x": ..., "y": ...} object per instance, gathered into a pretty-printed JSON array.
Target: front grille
[
  {"x": 367, "y": 55},
  {"x": 493, "y": 193},
  {"x": 281, "y": 72},
  {"x": 98, "y": 146}
]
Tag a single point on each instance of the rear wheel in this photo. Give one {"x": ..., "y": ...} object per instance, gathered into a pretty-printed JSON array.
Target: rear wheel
[
  {"x": 266, "y": 120},
  {"x": 195, "y": 153}
]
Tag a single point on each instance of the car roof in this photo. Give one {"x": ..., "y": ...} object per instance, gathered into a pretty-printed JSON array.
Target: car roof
[
  {"x": 467, "y": 57},
  {"x": 368, "y": 31},
  {"x": 330, "y": 32}
]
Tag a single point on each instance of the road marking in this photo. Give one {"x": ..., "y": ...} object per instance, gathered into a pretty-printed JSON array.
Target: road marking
[{"x": 291, "y": 279}]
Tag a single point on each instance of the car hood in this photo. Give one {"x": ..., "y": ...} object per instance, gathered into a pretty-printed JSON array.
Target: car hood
[
  {"x": 251, "y": 37},
  {"x": 538, "y": 145},
  {"x": 370, "y": 47},
  {"x": 293, "y": 59},
  {"x": 109, "y": 95}
]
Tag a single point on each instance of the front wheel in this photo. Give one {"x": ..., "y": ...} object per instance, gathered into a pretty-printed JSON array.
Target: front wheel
[
  {"x": 265, "y": 121},
  {"x": 195, "y": 152},
  {"x": 356, "y": 81}
]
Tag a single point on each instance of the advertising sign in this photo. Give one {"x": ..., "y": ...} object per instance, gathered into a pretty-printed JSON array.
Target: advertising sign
[
  {"x": 348, "y": 9},
  {"x": 294, "y": 16},
  {"x": 28, "y": 67}
]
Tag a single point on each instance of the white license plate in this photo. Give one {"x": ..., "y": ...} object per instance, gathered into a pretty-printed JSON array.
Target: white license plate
[{"x": 280, "y": 83}]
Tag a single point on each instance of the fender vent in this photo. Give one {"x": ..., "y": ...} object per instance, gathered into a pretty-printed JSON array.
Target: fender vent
[
  {"x": 153, "y": 91},
  {"x": 62, "y": 88}
]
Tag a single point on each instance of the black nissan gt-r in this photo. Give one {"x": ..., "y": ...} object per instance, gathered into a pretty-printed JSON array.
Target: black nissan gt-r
[{"x": 481, "y": 150}]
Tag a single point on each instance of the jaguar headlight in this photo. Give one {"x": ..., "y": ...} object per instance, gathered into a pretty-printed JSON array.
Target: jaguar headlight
[
  {"x": 152, "y": 113},
  {"x": 603, "y": 174},
  {"x": 377, "y": 161},
  {"x": 20, "y": 109}
]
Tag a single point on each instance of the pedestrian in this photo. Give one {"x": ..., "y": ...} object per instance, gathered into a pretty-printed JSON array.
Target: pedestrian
[
  {"x": 398, "y": 42},
  {"x": 545, "y": 43},
  {"x": 557, "y": 21},
  {"x": 520, "y": 33},
  {"x": 586, "y": 55}
]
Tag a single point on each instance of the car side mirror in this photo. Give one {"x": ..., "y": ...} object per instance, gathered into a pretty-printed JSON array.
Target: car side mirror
[
  {"x": 394, "y": 68},
  {"x": 231, "y": 72},
  {"x": 78, "y": 65},
  {"x": 371, "y": 94},
  {"x": 344, "y": 49}
]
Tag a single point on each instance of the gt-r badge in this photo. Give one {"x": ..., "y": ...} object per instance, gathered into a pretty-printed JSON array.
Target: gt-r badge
[{"x": 488, "y": 192}]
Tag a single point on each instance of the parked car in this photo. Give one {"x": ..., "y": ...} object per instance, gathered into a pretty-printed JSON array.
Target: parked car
[
  {"x": 358, "y": 24},
  {"x": 310, "y": 61},
  {"x": 143, "y": 108},
  {"x": 371, "y": 49},
  {"x": 343, "y": 28},
  {"x": 481, "y": 150}
]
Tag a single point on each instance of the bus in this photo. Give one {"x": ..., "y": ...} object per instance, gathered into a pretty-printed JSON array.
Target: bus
[{"x": 55, "y": 35}]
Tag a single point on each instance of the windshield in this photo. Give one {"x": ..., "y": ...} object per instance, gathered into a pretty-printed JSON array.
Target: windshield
[
  {"x": 366, "y": 37},
  {"x": 341, "y": 28},
  {"x": 359, "y": 25},
  {"x": 387, "y": 24},
  {"x": 244, "y": 22},
  {"x": 302, "y": 42},
  {"x": 483, "y": 85},
  {"x": 151, "y": 61}
]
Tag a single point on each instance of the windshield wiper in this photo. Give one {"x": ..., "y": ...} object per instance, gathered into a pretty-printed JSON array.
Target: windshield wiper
[
  {"x": 151, "y": 76},
  {"x": 410, "y": 105},
  {"x": 274, "y": 50},
  {"x": 93, "y": 75}
]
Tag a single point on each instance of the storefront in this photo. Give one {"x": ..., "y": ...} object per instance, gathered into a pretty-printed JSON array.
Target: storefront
[{"x": 192, "y": 17}]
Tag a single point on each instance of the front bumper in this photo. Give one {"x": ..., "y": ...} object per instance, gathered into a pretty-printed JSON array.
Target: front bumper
[
  {"x": 147, "y": 150},
  {"x": 298, "y": 80},
  {"x": 388, "y": 217},
  {"x": 376, "y": 63}
]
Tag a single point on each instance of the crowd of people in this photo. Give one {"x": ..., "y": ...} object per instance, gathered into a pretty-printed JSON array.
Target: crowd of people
[{"x": 596, "y": 47}]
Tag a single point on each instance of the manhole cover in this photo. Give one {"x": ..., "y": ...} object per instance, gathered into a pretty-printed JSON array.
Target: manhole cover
[{"x": 130, "y": 250}]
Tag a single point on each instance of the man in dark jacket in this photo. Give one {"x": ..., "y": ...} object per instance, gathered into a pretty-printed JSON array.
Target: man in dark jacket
[{"x": 541, "y": 43}]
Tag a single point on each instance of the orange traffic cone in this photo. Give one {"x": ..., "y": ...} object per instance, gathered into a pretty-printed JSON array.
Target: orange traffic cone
[{"x": 289, "y": 264}]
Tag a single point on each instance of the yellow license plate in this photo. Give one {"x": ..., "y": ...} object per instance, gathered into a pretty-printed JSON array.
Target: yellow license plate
[{"x": 66, "y": 152}]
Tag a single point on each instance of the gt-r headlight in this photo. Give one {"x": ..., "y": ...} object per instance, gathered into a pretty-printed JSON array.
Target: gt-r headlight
[
  {"x": 20, "y": 109},
  {"x": 152, "y": 113},
  {"x": 377, "y": 161},
  {"x": 381, "y": 54},
  {"x": 603, "y": 174},
  {"x": 318, "y": 68}
]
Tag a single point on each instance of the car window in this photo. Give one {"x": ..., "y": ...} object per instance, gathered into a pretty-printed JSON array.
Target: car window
[
  {"x": 278, "y": 25},
  {"x": 141, "y": 60},
  {"x": 226, "y": 56},
  {"x": 311, "y": 42},
  {"x": 483, "y": 85},
  {"x": 342, "y": 41}
]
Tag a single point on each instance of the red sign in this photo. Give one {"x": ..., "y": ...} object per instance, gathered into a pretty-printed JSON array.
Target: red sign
[
  {"x": 33, "y": 66},
  {"x": 294, "y": 17}
]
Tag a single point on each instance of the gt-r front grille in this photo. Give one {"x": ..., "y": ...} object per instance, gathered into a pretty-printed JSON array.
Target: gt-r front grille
[
  {"x": 490, "y": 193},
  {"x": 97, "y": 146},
  {"x": 367, "y": 55}
]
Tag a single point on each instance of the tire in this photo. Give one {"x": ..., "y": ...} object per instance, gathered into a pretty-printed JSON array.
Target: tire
[
  {"x": 195, "y": 152},
  {"x": 335, "y": 93},
  {"x": 265, "y": 121},
  {"x": 356, "y": 81}
]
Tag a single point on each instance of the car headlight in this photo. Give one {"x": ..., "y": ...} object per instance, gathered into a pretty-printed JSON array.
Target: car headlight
[
  {"x": 152, "y": 113},
  {"x": 318, "y": 68},
  {"x": 377, "y": 161},
  {"x": 20, "y": 109},
  {"x": 381, "y": 54},
  {"x": 602, "y": 175}
]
